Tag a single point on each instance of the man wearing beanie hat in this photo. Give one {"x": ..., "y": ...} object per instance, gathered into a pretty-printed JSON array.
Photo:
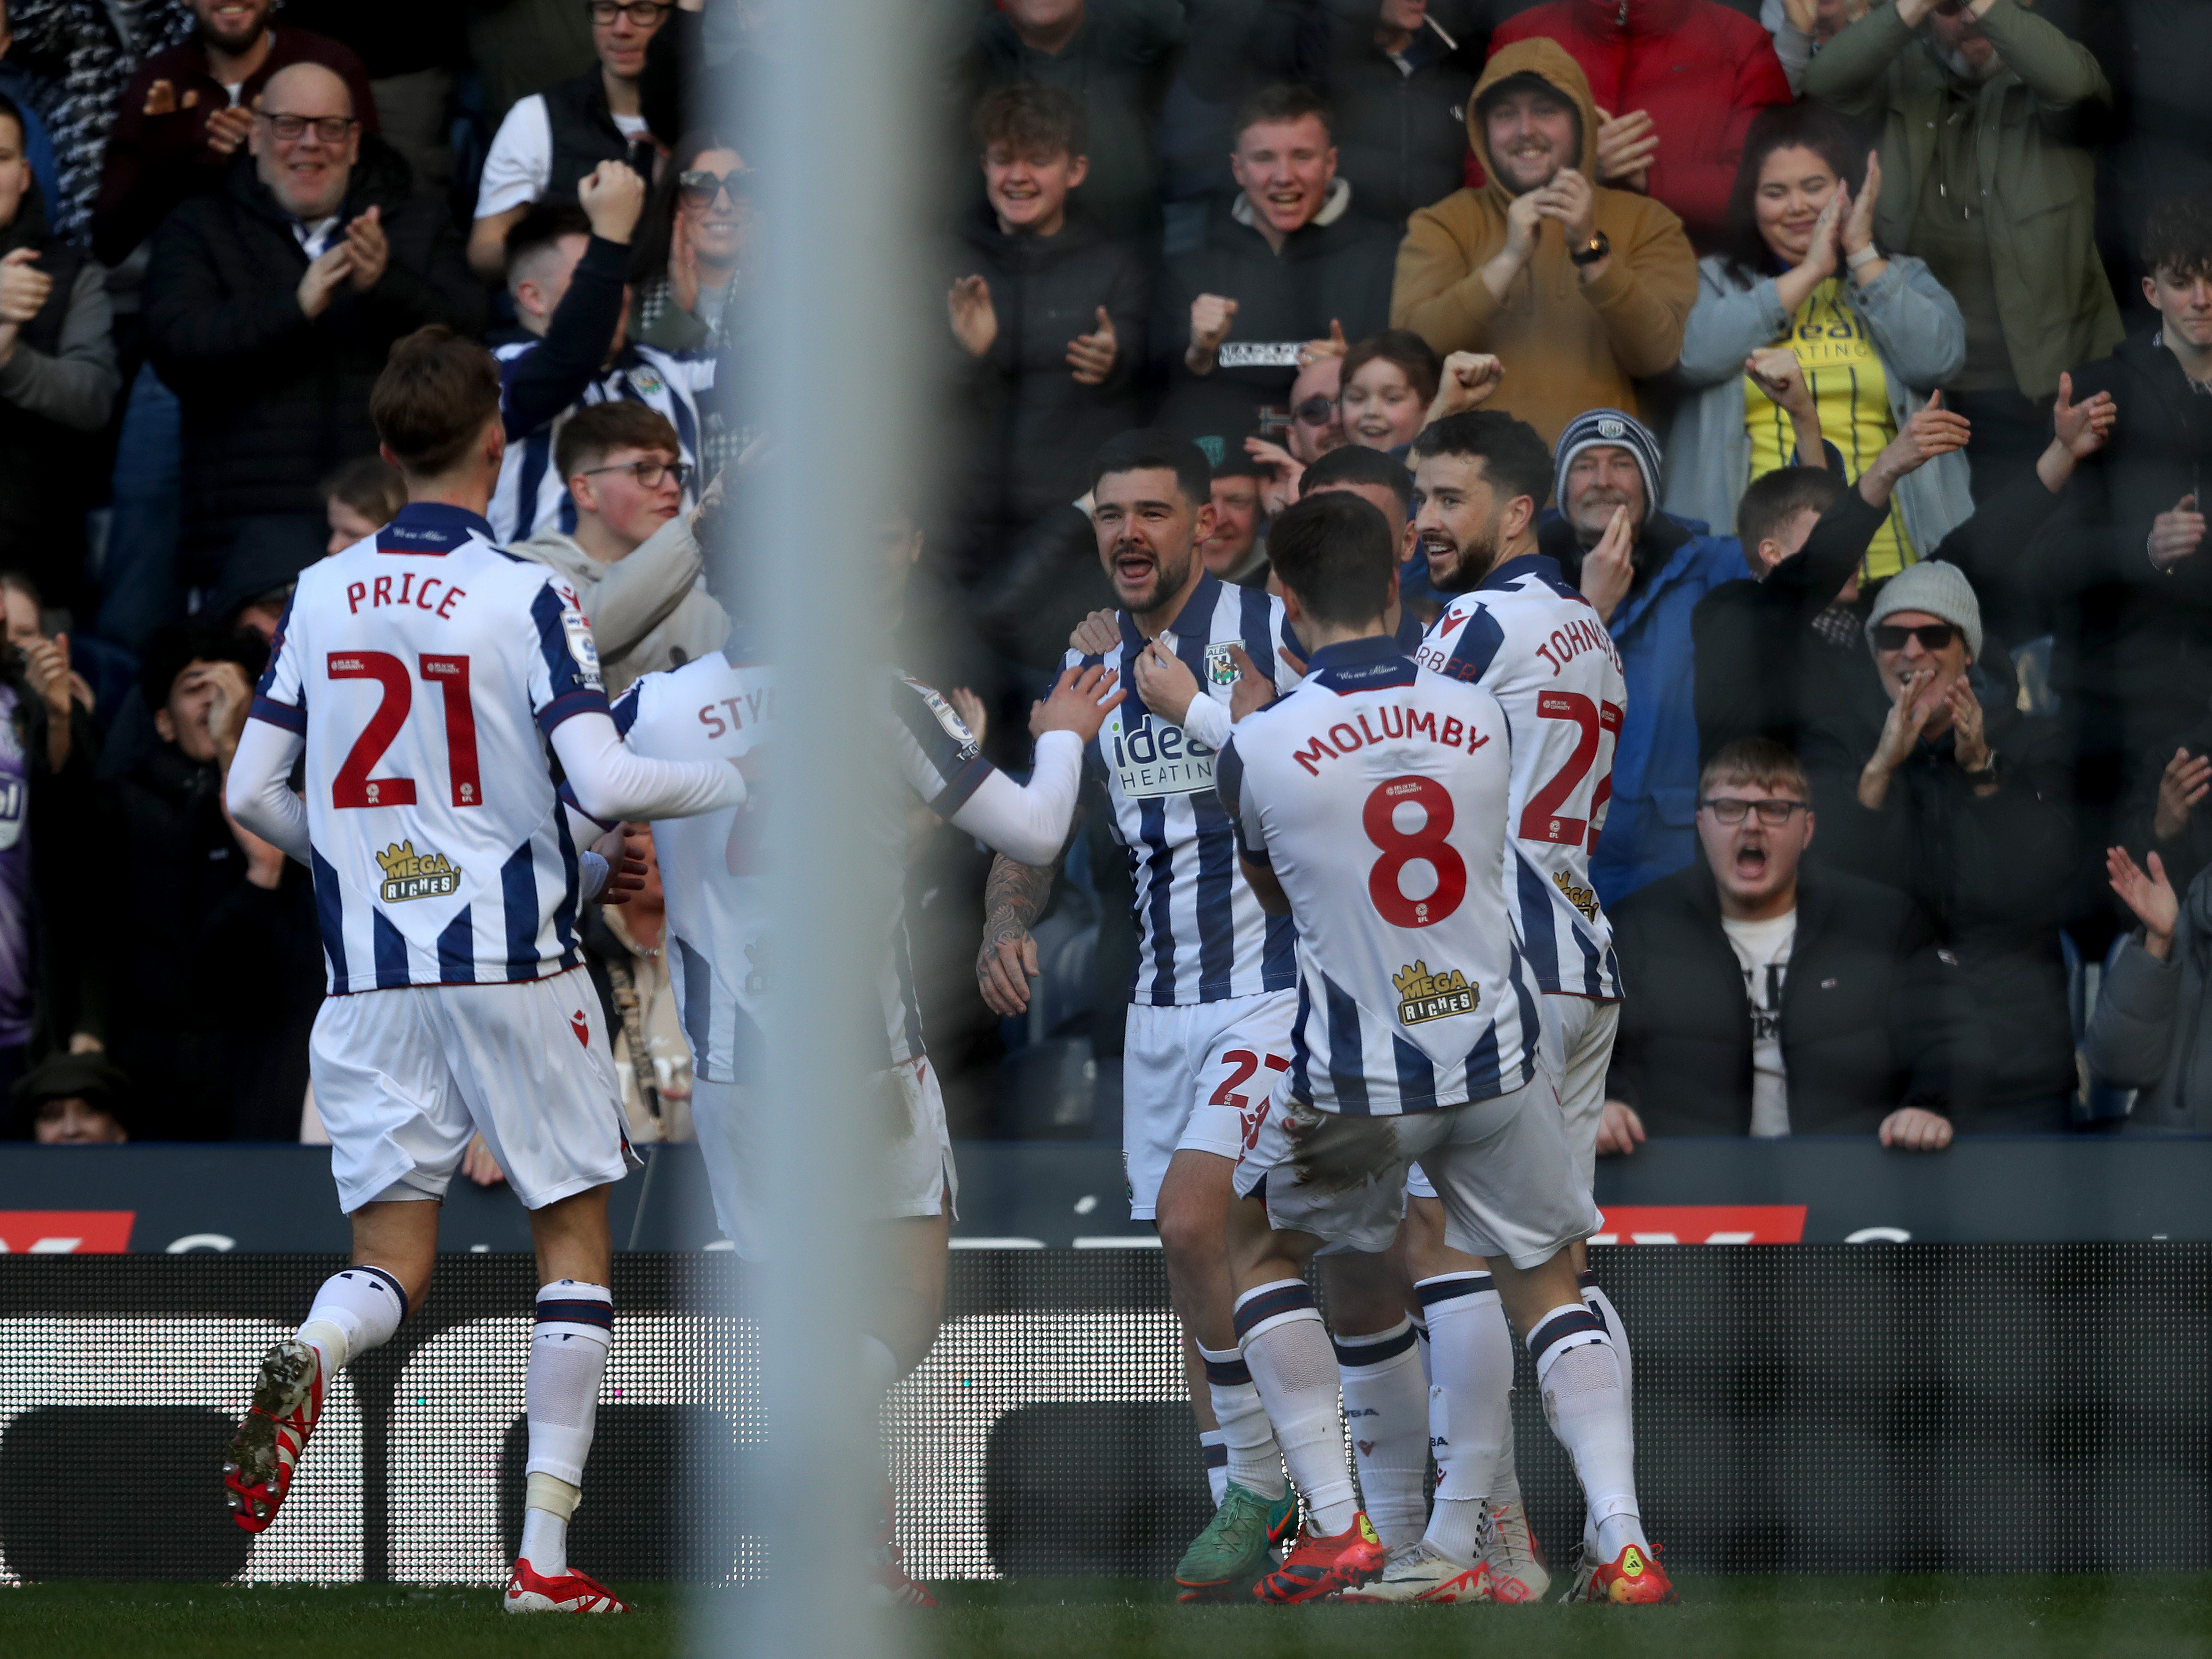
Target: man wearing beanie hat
[
  {"x": 1934, "y": 784},
  {"x": 1644, "y": 571}
]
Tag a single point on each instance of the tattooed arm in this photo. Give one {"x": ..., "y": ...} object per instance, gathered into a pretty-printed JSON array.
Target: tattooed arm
[{"x": 1014, "y": 898}]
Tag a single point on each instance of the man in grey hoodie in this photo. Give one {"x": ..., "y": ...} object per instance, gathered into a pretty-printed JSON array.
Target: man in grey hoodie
[{"x": 630, "y": 552}]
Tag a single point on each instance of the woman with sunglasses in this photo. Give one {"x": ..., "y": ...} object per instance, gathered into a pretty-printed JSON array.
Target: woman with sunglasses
[
  {"x": 694, "y": 251},
  {"x": 1874, "y": 331}
]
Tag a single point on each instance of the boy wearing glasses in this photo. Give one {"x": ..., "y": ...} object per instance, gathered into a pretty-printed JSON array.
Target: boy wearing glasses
[
  {"x": 1771, "y": 998},
  {"x": 632, "y": 557}
]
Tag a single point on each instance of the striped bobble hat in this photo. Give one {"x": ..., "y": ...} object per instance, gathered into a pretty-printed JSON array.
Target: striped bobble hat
[{"x": 1596, "y": 427}]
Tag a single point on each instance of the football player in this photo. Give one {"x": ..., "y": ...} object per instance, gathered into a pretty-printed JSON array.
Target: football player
[
  {"x": 1370, "y": 806},
  {"x": 424, "y": 672}
]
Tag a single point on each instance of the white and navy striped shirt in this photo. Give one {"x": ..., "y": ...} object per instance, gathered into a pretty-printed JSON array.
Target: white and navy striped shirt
[
  {"x": 531, "y": 494},
  {"x": 1538, "y": 646},
  {"x": 1375, "y": 794},
  {"x": 1201, "y": 935},
  {"x": 426, "y": 667},
  {"x": 718, "y": 899}
]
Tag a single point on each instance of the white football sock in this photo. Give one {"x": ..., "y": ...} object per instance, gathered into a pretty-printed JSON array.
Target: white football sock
[
  {"x": 1421, "y": 1330},
  {"x": 1579, "y": 1372},
  {"x": 548, "y": 1502},
  {"x": 1253, "y": 1460},
  {"x": 1386, "y": 1407},
  {"x": 1601, "y": 1304},
  {"x": 1473, "y": 1353},
  {"x": 561, "y": 1393},
  {"x": 355, "y": 1310},
  {"x": 1286, "y": 1346}
]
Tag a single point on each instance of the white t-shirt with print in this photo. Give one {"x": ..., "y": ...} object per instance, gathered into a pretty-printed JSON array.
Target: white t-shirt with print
[{"x": 1762, "y": 951}]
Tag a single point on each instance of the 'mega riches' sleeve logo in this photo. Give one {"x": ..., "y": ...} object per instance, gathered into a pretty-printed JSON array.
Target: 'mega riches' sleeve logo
[
  {"x": 412, "y": 875},
  {"x": 1424, "y": 995}
]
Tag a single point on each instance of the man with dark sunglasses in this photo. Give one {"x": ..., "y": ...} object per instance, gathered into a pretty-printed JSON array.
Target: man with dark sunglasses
[
  {"x": 1931, "y": 781},
  {"x": 1772, "y": 997}
]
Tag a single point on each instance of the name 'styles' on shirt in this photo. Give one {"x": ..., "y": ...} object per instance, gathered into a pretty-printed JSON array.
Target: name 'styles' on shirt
[
  {"x": 426, "y": 667},
  {"x": 1375, "y": 793},
  {"x": 1538, "y": 646}
]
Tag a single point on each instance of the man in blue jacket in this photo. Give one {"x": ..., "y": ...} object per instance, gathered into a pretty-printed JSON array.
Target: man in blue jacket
[{"x": 1644, "y": 571}]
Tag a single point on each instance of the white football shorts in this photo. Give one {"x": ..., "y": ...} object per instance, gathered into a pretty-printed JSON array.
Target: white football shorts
[
  {"x": 1502, "y": 1167},
  {"x": 1198, "y": 1076},
  {"x": 919, "y": 1176},
  {"x": 405, "y": 1077},
  {"x": 1576, "y": 1050}
]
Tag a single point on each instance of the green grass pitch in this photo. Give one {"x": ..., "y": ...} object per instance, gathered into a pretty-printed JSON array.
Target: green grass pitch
[{"x": 2166, "y": 1616}]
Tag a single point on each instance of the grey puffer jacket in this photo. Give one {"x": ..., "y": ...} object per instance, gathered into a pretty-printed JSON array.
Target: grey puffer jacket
[
  {"x": 1918, "y": 334},
  {"x": 2152, "y": 1030}
]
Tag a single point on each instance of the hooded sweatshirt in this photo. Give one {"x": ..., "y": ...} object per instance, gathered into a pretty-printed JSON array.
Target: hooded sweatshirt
[{"x": 1567, "y": 345}]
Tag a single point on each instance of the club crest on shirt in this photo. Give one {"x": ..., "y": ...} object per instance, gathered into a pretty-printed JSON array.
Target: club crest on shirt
[
  {"x": 408, "y": 874},
  {"x": 1220, "y": 666},
  {"x": 1424, "y": 995},
  {"x": 1581, "y": 897}
]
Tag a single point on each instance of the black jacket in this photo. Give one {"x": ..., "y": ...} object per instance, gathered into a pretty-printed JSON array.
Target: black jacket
[
  {"x": 213, "y": 982},
  {"x": 1868, "y": 1010},
  {"x": 1990, "y": 872},
  {"x": 272, "y": 401},
  {"x": 2133, "y": 661},
  {"x": 1117, "y": 67},
  {"x": 1762, "y": 669},
  {"x": 1030, "y": 428},
  {"x": 1400, "y": 138},
  {"x": 49, "y": 472},
  {"x": 1339, "y": 271}
]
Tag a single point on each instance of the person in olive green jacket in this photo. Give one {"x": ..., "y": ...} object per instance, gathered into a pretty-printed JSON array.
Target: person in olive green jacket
[{"x": 1986, "y": 179}]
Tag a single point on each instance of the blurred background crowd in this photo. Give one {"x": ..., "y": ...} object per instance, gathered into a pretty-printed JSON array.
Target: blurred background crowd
[{"x": 1874, "y": 345}]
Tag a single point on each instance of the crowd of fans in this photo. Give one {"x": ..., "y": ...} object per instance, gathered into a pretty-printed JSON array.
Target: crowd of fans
[{"x": 1873, "y": 344}]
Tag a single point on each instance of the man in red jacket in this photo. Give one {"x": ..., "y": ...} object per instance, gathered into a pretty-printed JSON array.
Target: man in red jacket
[{"x": 1676, "y": 82}]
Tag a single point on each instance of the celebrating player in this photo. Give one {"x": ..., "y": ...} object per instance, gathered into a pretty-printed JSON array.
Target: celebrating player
[
  {"x": 424, "y": 671},
  {"x": 1210, "y": 1014},
  {"x": 1518, "y": 630},
  {"x": 1415, "y": 1038},
  {"x": 720, "y": 947}
]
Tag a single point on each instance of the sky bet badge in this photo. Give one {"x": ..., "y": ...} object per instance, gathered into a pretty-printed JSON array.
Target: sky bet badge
[{"x": 1220, "y": 666}]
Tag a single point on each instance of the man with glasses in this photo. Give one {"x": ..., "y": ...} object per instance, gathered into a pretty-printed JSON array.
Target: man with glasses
[
  {"x": 551, "y": 141},
  {"x": 270, "y": 305},
  {"x": 1772, "y": 997},
  {"x": 632, "y": 558},
  {"x": 188, "y": 112}
]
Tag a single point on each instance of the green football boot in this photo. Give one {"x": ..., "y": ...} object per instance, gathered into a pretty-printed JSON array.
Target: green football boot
[{"x": 1235, "y": 1550}]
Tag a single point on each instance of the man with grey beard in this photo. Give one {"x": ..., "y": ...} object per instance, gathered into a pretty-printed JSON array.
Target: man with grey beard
[{"x": 1979, "y": 178}]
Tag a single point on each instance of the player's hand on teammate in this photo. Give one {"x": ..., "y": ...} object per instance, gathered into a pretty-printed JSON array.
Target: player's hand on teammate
[
  {"x": 1096, "y": 635},
  {"x": 479, "y": 1165},
  {"x": 1916, "y": 1129},
  {"x": 1252, "y": 690},
  {"x": 1619, "y": 1130},
  {"x": 318, "y": 283},
  {"x": 1607, "y": 570},
  {"x": 1166, "y": 685},
  {"x": 371, "y": 250},
  {"x": 1079, "y": 701},
  {"x": 623, "y": 848},
  {"x": 613, "y": 197}
]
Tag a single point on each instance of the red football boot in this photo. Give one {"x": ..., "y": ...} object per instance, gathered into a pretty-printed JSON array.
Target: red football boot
[
  {"x": 1632, "y": 1579},
  {"x": 529, "y": 1591},
  {"x": 1320, "y": 1567},
  {"x": 265, "y": 1454}
]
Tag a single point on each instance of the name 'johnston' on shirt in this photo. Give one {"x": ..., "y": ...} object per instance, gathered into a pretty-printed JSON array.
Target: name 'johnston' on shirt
[{"x": 1346, "y": 737}]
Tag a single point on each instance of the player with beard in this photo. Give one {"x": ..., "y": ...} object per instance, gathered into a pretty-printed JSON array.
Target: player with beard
[
  {"x": 1516, "y": 629},
  {"x": 1216, "y": 983}
]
